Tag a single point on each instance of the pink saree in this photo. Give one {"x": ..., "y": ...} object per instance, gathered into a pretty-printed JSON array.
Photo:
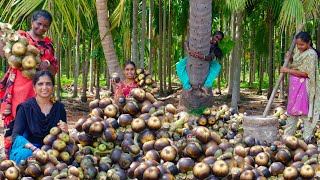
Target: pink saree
[{"x": 298, "y": 96}]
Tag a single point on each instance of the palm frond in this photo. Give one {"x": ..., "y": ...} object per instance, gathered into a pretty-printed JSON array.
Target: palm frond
[
  {"x": 275, "y": 6},
  {"x": 236, "y": 5},
  {"x": 312, "y": 8},
  {"x": 21, "y": 9},
  {"x": 117, "y": 15},
  {"x": 292, "y": 13}
]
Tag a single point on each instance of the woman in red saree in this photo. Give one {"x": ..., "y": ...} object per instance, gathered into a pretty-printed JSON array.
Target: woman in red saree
[
  {"x": 15, "y": 88},
  {"x": 123, "y": 88}
]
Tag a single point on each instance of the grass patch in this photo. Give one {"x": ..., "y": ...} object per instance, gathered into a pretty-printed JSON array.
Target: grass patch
[{"x": 197, "y": 111}]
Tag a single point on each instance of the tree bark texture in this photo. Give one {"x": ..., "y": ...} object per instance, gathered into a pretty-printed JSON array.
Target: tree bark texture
[
  {"x": 200, "y": 22},
  {"x": 106, "y": 39},
  {"x": 160, "y": 49},
  {"x": 135, "y": 32},
  {"x": 318, "y": 36},
  {"x": 84, "y": 70},
  {"x": 77, "y": 59},
  {"x": 164, "y": 46},
  {"x": 261, "y": 72},
  {"x": 59, "y": 66},
  {"x": 97, "y": 93},
  {"x": 169, "y": 46},
  {"x": 150, "y": 35},
  {"x": 232, "y": 54},
  {"x": 283, "y": 53},
  {"x": 143, "y": 33},
  {"x": 271, "y": 55},
  {"x": 252, "y": 72},
  {"x": 237, "y": 62},
  {"x": 68, "y": 55}
]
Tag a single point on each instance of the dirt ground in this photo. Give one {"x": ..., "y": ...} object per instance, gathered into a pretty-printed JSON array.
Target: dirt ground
[{"x": 251, "y": 103}]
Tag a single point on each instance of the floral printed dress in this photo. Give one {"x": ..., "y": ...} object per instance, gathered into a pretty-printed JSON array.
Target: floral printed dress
[
  {"x": 126, "y": 88},
  {"x": 306, "y": 62}
]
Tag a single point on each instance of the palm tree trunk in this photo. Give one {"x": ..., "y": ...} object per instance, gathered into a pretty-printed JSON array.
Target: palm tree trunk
[
  {"x": 252, "y": 72},
  {"x": 160, "y": 49},
  {"x": 97, "y": 96},
  {"x": 271, "y": 58},
  {"x": 169, "y": 46},
  {"x": 143, "y": 33},
  {"x": 76, "y": 62},
  {"x": 200, "y": 22},
  {"x": 135, "y": 32},
  {"x": 84, "y": 68},
  {"x": 244, "y": 60},
  {"x": 68, "y": 54},
  {"x": 261, "y": 72},
  {"x": 150, "y": 35},
  {"x": 243, "y": 67},
  {"x": 164, "y": 46},
  {"x": 283, "y": 52},
  {"x": 232, "y": 54},
  {"x": 91, "y": 68},
  {"x": 318, "y": 36},
  {"x": 237, "y": 57},
  {"x": 59, "y": 62},
  {"x": 106, "y": 38}
]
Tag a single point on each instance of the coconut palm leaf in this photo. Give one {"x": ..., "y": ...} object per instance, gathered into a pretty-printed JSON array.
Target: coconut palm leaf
[
  {"x": 19, "y": 10},
  {"x": 16, "y": 11},
  {"x": 312, "y": 8},
  {"x": 236, "y": 5},
  {"x": 117, "y": 15},
  {"x": 292, "y": 12}
]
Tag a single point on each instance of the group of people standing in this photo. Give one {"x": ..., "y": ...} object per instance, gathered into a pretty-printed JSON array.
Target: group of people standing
[{"x": 33, "y": 111}]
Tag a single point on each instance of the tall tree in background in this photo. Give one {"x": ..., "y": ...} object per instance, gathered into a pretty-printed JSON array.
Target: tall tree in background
[
  {"x": 232, "y": 54},
  {"x": 200, "y": 22},
  {"x": 237, "y": 7},
  {"x": 271, "y": 69},
  {"x": 169, "y": 45},
  {"x": 135, "y": 32},
  {"x": 237, "y": 61},
  {"x": 160, "y": 70},
  {"x": 106, "y": 38},
  {"x": 77, "y": 59},
  {"x": 143, "y": 33},
  {"x": 164, "y": 46},
  {"x": 150, "y": 35}
]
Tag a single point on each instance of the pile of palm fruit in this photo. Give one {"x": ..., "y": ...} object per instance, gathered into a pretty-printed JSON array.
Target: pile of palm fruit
[
  {"x": 143, "y": 138},
  {"x": 18, "y": 52}
]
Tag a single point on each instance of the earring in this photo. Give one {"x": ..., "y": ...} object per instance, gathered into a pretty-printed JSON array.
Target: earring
[{"x": 53, "y": 99}]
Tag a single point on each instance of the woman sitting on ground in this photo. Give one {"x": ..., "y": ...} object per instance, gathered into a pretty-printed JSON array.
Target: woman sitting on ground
[{"x": 36, "y": 117}]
